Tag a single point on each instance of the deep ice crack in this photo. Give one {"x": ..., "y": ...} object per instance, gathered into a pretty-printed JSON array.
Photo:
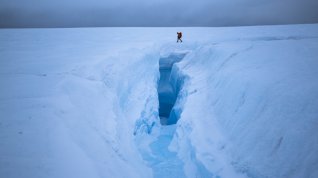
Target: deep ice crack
[{"x": 166, "y": 91}]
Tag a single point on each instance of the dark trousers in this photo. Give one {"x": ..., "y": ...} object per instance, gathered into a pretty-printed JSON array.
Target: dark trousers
[{"x": 179, "y": 39}]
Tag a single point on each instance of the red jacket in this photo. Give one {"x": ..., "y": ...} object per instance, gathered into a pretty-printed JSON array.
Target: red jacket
[{"x": 179, "y": 34}]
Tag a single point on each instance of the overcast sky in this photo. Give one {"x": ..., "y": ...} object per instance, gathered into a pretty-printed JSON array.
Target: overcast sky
[{"x": 84, "y": 13}]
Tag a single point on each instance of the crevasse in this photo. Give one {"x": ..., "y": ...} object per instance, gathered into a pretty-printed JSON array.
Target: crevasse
[{"x": 169, "y": 86}]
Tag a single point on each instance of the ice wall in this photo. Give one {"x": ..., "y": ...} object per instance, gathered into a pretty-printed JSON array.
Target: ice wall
[
  {"x": 69, "y": 103},
  {"x": 168, "y": 88},
  {"x": 251, "y": 108}
]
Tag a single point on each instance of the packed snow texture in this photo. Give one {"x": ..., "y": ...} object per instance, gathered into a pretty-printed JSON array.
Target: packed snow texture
[{"x": 85, "y": 102}]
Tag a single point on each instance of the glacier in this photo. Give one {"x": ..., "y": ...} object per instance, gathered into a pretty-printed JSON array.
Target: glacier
[{"x": 228, "y": 102}]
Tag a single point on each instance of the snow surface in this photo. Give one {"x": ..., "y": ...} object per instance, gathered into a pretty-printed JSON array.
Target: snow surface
[{"x": 83, "y": 102}]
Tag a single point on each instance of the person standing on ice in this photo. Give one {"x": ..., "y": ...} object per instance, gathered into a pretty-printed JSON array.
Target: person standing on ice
[{"x": 179, "y": 36}]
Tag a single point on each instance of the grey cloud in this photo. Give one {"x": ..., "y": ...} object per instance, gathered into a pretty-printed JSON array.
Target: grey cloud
[{"x": 81, "y": 13}]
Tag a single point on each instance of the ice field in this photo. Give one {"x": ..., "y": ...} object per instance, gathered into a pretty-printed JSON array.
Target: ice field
[{"x": 228, "y": 102}]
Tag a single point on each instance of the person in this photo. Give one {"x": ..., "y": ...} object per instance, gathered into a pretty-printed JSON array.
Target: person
[{"x": 179, "y": 36}]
